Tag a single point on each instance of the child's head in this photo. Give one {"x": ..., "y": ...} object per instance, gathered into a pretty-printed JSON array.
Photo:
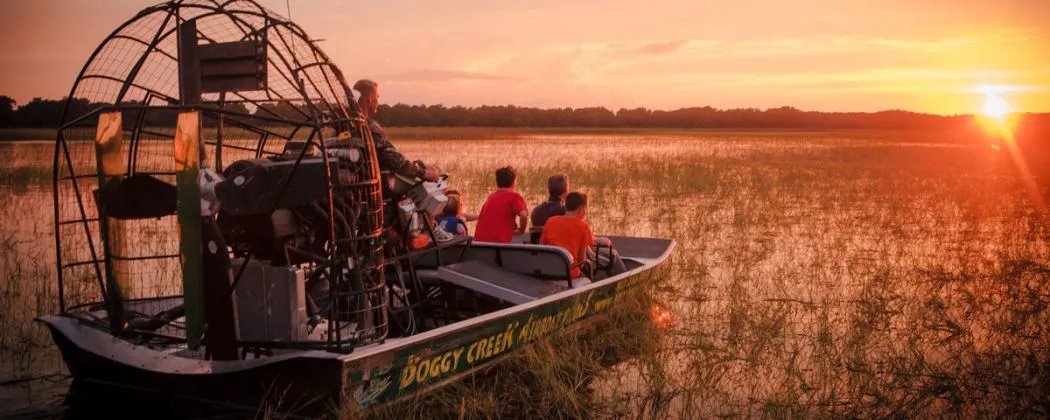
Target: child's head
[
  {"x": 454, "y": 206},
  {"x": 506, "y": 177},
  {"x": 576, "y": 202},
  {"x": 558, "y": 185}
]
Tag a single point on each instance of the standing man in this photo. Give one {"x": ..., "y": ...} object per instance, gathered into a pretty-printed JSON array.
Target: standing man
[
  {"x": 496, "y": 221},
  {"x": 389, "y": 158},
  {"x": 557, "y": 189}
]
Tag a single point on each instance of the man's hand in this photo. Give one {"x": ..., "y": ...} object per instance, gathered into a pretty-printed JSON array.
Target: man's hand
[
  {"x": 523, "y": 223},
  {"x": 431, "y": 174},
  {"x": 603, "y": 241}
]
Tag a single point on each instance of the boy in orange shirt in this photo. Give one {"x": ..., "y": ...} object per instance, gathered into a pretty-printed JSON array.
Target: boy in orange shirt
[{"x": 572, "y": 233}]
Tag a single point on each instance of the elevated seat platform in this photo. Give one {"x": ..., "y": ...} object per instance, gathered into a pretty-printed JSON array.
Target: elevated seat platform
[{"x": 500, "y": 283}]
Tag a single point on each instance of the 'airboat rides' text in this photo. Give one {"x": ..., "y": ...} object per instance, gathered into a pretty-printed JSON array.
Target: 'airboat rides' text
[{"x": 421, "y": 370}]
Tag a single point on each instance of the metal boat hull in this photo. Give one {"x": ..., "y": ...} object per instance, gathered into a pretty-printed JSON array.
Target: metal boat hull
[
  {"x": 317, "y": 382},
  {"x": 307, "y": 381}
]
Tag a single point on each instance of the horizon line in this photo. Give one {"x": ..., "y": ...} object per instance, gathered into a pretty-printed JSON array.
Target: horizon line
[{"x": 617, "y": 109}]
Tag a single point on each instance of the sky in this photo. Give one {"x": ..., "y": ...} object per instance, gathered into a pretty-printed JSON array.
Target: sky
[{"x": 936, "y": 56}]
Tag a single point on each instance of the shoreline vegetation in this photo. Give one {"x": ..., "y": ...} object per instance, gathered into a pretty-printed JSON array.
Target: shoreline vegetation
[
  {"x": 498, "y": 133},
  {"x": 19, "y": 122}
]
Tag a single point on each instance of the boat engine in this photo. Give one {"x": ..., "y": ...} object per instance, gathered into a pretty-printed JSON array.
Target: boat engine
[
  {"x": 252, "y": 218},
  {"x": 285, "y": 224},
  {"x": 276, "y": 213}
]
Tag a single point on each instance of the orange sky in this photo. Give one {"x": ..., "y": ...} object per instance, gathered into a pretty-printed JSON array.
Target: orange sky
[{"x": 832, "y": 55}]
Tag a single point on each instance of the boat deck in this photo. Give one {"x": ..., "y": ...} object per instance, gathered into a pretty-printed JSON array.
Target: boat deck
[
  {"x": 500, "y": 283},
  {"x": 640, "y": 248}
]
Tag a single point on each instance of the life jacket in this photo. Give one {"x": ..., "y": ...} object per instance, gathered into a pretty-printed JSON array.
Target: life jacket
[{"x": 449, "y": 224}]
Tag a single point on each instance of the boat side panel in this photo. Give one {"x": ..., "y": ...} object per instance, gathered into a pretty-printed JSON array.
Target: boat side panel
[
  {"x": 388, "y": 375},
  {"x": 299, "y": 385},
  {"x": 641, "y": 248}
]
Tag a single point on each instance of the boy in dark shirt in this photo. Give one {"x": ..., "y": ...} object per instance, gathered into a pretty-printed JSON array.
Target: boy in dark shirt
[{"x": 557, "y": 188}]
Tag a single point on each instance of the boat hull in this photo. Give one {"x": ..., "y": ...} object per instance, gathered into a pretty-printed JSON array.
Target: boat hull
[
  {"x": 303, "y": 383},
  {"x": 315, "y": 383},
  {"x": 387, "y": 374}
]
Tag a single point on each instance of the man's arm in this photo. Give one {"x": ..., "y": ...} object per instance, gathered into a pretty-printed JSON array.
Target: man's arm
[
  {"x": 594, "y": 240},
  {"x": 523, "y": 214},
  {"x": 585, "y": 246},
  {"x": 392, "y": 160},
  {"x": 581, "y": 256},
  {"x": 523, "y": 222}
]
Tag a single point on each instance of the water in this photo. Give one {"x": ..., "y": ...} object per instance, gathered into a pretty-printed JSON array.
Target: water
[{"x": 815, "y": 275}]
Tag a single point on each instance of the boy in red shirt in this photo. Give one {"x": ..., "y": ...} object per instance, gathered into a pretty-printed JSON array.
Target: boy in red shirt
[
  {"x": 496, "y": 220},
  {"x": 572, "y": 233}
]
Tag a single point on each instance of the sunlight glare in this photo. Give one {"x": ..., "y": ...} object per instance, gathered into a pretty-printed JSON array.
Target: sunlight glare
[
  {"x": 662, "y": 318},
  {"x": 995, "y": 106},
  {"x": 996, "y": 115}
]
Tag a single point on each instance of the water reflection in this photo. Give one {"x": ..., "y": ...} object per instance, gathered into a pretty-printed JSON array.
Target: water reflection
[{"x": 95, "y": 401}]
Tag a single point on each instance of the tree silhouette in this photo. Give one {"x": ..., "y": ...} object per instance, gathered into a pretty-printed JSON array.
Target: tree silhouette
[
  {"x": 47, "y": 113},
  {"x": 8, "y": 117}
]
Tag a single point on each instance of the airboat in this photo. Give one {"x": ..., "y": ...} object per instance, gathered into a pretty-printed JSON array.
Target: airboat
[{"x": 224, "y": 232}]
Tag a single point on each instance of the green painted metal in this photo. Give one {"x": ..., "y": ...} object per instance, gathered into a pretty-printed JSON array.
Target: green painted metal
[
  {"x": 187, "y": 169},
  {"x": 390, "y": 375}
]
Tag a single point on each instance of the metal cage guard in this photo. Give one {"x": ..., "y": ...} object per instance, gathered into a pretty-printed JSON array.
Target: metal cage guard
[{"x": 141, "y": 72}]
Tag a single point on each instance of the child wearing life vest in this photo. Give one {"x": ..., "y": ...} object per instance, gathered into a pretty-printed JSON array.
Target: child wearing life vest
[{"x": 453, "y": 220}]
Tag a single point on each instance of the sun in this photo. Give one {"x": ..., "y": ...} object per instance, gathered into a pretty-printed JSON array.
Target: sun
[
  {"x": 995, "y": 106},
  {"x": 997, "y": 116}
]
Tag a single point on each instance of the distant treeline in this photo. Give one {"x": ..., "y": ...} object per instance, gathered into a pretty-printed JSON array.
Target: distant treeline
[
  {"x": 47, "y": 113},
  {"x": 700, "y": 117},
  {"x": 401, "y": 115},
  {"x": 40, "y": 113}
]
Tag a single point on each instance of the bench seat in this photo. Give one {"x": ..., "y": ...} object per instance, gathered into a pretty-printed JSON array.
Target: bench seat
[{"x": 500, "y": 283}]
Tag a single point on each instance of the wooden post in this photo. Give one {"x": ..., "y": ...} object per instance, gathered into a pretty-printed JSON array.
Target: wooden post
[
  {"x": 109, "y": 158},
  {"x": 189, "y": 64},
  {"x": 187, "y": 169}
]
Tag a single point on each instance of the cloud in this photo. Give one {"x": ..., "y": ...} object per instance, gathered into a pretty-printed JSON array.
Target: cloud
[
  {"x": 651, "y": 48},
  {"x": 930, "y": 77},
  {"x": 544, "y": 77},
  {"x": 816, "y": 70},
  {"x": 998, "y": 89},
  {"x": 813, "y": 45},
  {"x": 439, "y": 75}
]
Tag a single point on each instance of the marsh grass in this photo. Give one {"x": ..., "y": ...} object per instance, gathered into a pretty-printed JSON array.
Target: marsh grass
[
  {"x": 24, "y": 134},
  {"x": 816, "y": 275},
  {"x": 29, "y": 363}
]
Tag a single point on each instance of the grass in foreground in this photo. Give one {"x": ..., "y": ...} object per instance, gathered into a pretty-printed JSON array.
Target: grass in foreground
[{"x": 824, "y": 276}]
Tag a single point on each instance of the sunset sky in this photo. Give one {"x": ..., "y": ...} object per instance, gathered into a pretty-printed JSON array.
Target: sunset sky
[{"x": 936, "y": 56}]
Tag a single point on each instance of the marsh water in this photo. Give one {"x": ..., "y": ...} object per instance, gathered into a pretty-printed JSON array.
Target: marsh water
[{"x": 829, "y": 274}]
